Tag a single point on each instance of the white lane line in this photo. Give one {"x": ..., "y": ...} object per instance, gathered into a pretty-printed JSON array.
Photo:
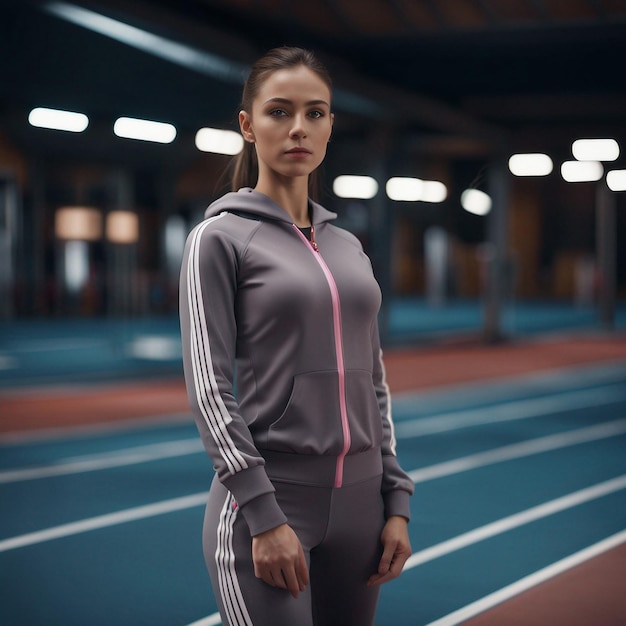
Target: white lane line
[
  {"x": 153, "y": 452},
  {"x": 106, "y": 460},
  {"x": 532, "y": 580},
  {"x": 407, "y": 429},
  {"x": 515, "y": 521},
  {"x": 519, "y": 450},
  {"x": 508, "y": 411},
  {"x": 45, "y": 435},
  {"x": 102, "y": 521},
  {"x": 176, "y": 504},
  {"x": 212, "y": 620}
]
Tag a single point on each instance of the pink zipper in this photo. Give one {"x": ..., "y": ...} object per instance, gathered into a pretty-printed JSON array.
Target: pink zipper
[{"x": 343, "y": 408}]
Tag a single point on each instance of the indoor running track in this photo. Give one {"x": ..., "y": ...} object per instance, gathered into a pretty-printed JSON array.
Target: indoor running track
[{"x": 518, "y": 480}]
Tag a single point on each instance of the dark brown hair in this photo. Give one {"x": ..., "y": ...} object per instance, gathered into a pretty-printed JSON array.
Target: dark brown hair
[{"x": 246, "y": 168}]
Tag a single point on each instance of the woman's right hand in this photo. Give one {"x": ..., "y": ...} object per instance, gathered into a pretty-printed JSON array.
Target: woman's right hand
[{"x": 279, "y": 559}]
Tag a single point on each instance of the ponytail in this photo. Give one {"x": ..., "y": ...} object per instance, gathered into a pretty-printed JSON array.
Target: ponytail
[{"x": 245, "y": 168}]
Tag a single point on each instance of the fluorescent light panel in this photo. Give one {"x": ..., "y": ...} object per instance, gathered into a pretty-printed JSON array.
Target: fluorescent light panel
[
  {"x": 408, "y": 189},
  {"x": 144, "y": 130},
  {"x": 581, "y": 171},
  {"x": 358, "y": 187},
  {"x": 219, "y": 141},
  {"x": 595, "y": 149},
  {"x": 530, "y": 164},
  {"x": 616, "y": 180},
  {"x": 57, "y": 119},
  {"x": 404, "y": 189},
  {"x": 198, "y": 60},
  {"x": 476, "y": 201},
  {"x": 433, "y": 191}
]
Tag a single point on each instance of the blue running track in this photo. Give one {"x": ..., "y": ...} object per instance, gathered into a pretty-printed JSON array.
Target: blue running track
[{"x": 511, "y": 477}]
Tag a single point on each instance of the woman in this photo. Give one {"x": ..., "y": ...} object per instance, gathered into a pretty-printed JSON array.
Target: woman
[{"x": 308, "y": 511}]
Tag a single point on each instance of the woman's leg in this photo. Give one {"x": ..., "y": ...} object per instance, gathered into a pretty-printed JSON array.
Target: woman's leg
[
  {"x": 348, "y": 556},
  {"x": 243, "y": 599}
]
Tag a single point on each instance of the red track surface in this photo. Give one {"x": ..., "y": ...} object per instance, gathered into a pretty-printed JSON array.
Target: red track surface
[{"x": 406, "y": 370}]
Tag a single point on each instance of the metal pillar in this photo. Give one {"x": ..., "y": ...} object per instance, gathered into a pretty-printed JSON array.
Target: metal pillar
[
  {"x": 123, "y": 286},
  {"x": 31, "y": 253},
  {"x": 606, "y": 251},
  {"x": 8, "y": 238},
  {"x": 498, "y": 181},
  {"x": 381, "y": 227}
]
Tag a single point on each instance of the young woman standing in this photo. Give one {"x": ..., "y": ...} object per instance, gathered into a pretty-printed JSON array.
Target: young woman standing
[{"x": 308, "y": 510}]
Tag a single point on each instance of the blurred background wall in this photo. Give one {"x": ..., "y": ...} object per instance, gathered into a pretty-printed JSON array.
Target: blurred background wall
[{"x": 92, "y": 224}]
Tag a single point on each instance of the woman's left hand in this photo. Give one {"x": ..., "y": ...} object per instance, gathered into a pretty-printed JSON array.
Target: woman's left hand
[{"x": 396, "y": 550}]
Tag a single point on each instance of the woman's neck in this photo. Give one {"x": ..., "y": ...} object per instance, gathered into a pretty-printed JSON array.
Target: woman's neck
[{"x": 292, "y": 197}]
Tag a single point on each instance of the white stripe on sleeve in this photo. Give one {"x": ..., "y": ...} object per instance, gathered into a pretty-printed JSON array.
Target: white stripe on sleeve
[{"x": 210, "y": 401}]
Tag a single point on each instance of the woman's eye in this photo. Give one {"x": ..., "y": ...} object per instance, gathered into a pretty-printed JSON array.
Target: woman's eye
[
  {"x": 316, "y": 114},
  {"x": 277, "y": 113}
]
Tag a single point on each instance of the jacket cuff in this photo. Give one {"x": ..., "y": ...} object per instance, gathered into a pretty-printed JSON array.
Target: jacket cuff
[
  {"x": 255, "y": 497},
  {"x": 263, "y": 513},
  {"x": 397, "y": 503}
]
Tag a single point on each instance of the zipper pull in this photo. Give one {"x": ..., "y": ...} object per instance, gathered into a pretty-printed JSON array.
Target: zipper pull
[{"x": 313, "y": 243}]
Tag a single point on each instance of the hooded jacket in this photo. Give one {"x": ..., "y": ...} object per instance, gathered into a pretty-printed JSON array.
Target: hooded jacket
[{"x": 281, "y": 354}]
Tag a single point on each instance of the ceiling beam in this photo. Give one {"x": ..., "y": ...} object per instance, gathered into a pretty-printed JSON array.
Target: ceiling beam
[{"x": 356, "y": 93}]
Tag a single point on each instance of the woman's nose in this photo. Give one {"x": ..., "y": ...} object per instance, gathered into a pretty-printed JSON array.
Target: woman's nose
[{"x": 298, "y": 127}]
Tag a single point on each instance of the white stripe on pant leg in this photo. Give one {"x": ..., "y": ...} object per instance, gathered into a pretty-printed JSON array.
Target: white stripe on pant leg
[{"x": 230, "y": 589}]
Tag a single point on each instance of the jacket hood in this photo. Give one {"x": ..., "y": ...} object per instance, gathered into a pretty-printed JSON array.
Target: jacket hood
[{"x": 248, "y": 200}]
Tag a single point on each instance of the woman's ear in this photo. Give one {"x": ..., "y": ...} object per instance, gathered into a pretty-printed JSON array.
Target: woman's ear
[{"x": 245, "y": 125}]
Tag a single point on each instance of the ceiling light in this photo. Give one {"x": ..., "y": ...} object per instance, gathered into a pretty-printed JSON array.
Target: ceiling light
[
  {"x": 144, "y": 130},
  {"x": 616, "y": 180},
  {"x": 122, "y": 227},
  {"x": 433, "y": 191},
  {"x": 404, "y": 189},
  {"x": 581, "y": 171},
  {"x": 476, "y": 201},
  {"x": 190, "y": 57},
  {"x": 530, "y": 164},
  {"x": 219, "y": 141},
  {"x": 360, "y": 187},
  {"x": 595, "y": 149},
  {"x": 78, "y": 223},
  {"x": 57, "y": 119}
]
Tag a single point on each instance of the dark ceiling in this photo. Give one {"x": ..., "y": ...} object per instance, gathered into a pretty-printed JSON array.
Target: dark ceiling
[{"x": 450, "y": 76}]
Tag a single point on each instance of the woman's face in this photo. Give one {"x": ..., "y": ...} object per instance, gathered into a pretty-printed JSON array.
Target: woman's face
[{"x": 290, "y": 123}]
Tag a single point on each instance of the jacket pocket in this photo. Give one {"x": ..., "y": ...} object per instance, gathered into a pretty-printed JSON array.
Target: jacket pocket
[{"x": 311, "y": 421}]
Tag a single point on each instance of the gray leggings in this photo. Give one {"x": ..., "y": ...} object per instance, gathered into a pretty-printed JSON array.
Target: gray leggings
[{"x": 340, "y": 533}]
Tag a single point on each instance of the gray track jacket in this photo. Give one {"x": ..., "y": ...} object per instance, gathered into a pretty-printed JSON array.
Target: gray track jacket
[{"x": 294, "y": 323}]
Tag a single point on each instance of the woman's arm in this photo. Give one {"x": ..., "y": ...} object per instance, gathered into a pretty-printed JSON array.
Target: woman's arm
[
  {"x": 208, "y": 287},
  {"x": 397, "y": 487}
]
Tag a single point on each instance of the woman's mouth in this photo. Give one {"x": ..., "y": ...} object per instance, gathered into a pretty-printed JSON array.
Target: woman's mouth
[{"x": 298, "y": 152}]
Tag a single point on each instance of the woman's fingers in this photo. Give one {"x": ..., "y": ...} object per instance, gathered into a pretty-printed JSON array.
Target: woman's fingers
[
  {"x": 279, "y": 559},
  {"x": 396, "y": 551},
  {"x": 302, "y": 570}
]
